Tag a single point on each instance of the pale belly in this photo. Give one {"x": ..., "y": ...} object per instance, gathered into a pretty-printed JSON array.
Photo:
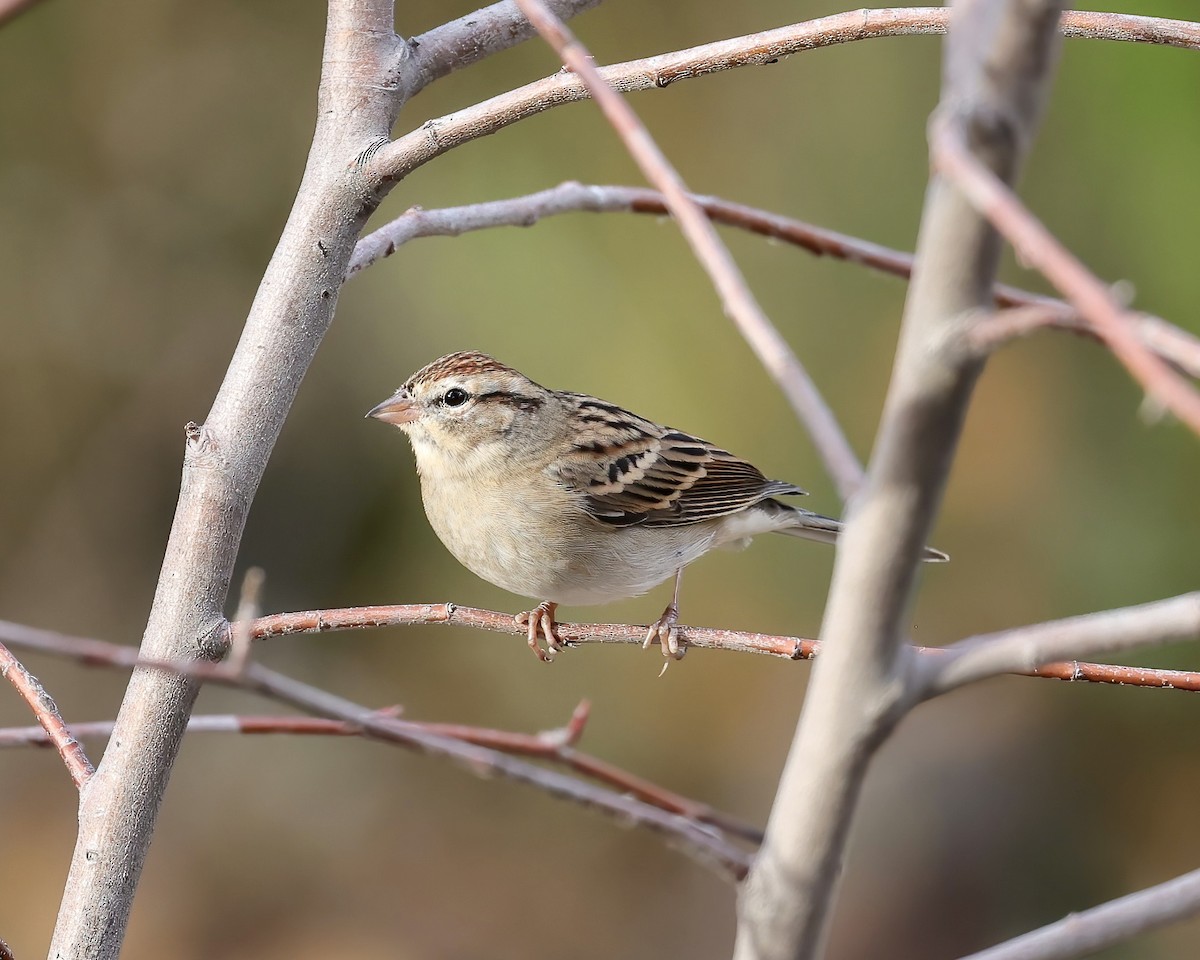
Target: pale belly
[{"x": 512, "y": 544}]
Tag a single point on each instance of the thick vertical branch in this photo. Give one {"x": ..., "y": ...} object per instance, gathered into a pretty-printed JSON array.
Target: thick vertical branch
[
  {"x": 998, "y": 62},
  {"x": 224, "y": 462}
]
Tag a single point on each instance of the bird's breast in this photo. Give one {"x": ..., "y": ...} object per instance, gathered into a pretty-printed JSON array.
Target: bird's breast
[{"x": 537, "y": 542}]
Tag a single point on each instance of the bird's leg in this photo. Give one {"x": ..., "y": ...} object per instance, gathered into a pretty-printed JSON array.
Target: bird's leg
[
  {"x": 664, "y": 629},
  {"x": 540, "y": 621}
]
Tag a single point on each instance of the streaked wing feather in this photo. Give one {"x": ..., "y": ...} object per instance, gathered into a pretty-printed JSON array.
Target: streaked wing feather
[{"x": 633, "y": 471}]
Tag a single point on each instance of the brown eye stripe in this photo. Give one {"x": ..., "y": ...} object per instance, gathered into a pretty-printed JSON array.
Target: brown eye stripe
[{"x": 518, "y": 400}]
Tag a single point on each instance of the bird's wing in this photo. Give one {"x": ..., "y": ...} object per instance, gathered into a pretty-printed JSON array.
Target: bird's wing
[{"x": 629, "y": 471}]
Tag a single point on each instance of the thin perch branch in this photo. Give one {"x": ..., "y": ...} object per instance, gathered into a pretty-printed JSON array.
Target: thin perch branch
[
  {"x": 772, "y": 350},
  {"x": 46, "y": 711},
  {"x": 98, "y": 652}
]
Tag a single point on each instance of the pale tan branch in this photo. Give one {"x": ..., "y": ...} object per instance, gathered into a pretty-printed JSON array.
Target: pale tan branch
[
  {"x": 46, "y": 711},
  {"x": 1025, "y": 649},
  {"x": 1089, "y": 931},
  {"x": 460, "y": 43},
  {"x": 358, "y": 99},
  {"x": 997, "y": 63}
]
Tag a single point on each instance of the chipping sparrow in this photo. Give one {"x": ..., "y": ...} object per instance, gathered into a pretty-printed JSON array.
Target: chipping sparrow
[{"x": 558, "y": 495}]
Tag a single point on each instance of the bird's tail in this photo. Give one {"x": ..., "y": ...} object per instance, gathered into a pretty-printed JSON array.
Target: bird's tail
[{"x": 813, "y": 526}]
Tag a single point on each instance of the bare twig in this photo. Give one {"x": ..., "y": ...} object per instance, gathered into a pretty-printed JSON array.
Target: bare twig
[
  {"x": 648, "y": 805},
  {"x": 736, "y": 297},
  {"x": 399, "y": 158},
  {"x": 97, "y": 652},
  {"x": 352, "y": 618},
  {"x": 1034, "y": 311},
  {"x": 249, "y": 607},
  {"x": 997, "y": 65},
  {"x": 555, "y": 746},
  {"x": 467, "y": 40},
  {"x": 46, "y": 711},
  {"x": 1095, "y": 634},
  {"x": 1038, "y": 247},
  {"x": 1082, "y": 934}
]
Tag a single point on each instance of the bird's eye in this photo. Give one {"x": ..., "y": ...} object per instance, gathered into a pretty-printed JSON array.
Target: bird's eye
[{"x": 455, "y": 397}]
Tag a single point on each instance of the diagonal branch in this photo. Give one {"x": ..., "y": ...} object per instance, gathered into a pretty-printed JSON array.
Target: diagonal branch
[
  {"x": 1094, "y": 634},
  {"x": 555, "y": 746},
  {"x": 737, "y": 299},
  {"x": 665, "y": 814},
  {"x": 46, "y": 711},
  {"x": 1089, "y": 931},
  {"x": 1039, "y": 248},
  {"x": 1173, "y": 344}
]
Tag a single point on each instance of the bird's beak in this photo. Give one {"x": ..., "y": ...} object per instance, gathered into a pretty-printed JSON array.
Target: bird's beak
[{"x": 399, "y": 409}]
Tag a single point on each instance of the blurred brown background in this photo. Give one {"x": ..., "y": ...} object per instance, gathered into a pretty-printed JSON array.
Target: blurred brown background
[{"x": 148, "y": 156}]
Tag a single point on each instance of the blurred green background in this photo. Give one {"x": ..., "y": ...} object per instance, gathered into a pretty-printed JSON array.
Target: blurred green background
[{"x": 148, "y": 156}]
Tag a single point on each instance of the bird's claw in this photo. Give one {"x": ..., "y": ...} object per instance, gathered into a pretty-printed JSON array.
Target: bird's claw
[
  {"x": 665, "y": 631},
  {"x": 540, "y": 624}
]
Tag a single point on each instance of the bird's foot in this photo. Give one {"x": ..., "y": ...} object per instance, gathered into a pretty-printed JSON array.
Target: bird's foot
[
  {"x": 540, "y": 623},
  {"x": 666, "y": 632}
]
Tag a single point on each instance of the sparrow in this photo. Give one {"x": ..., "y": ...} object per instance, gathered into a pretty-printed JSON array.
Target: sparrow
[{"x": 568, "y": 499}]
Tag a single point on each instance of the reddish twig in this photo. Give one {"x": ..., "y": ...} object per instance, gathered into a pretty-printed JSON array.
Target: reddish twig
[
  {"x": 555, "y": 746},
  {"x": 100, "y": 653},
  {"x": 1039, "y": 248},
  {"x": 46, "y": 711},
  {"x": 784, "y": 647},
  {"x": 739, "y": 302},
  {"x": 1034, "y": 310},
  {"x": 1101, "y": 633},
  {"x": 706, "y": 841}
]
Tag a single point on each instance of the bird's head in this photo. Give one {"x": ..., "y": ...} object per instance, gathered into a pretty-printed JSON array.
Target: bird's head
[{"x": 465, "y": 409}]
